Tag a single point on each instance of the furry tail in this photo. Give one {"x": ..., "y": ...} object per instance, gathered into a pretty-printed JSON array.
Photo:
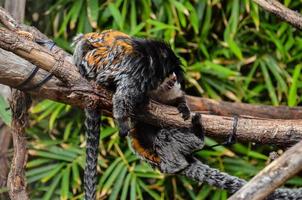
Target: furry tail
[{"x": 92, "y": 124}]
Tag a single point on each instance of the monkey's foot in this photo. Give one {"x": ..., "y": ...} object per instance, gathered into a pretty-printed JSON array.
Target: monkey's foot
[{"x": 184, "y": 110}]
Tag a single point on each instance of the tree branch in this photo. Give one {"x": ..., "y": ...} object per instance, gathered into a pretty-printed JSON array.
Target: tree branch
[
  {"x": 224, "y": 108},
  {"x": 286, "y": 14},
  {"x": 16, "y": 182},
  {"x": 195, "y": 103},
  {"x": 272, "y": 176},
  {"x": 75, "y": 90}
]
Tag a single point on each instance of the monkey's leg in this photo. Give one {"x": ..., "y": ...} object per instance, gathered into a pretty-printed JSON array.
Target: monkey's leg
[
  {"x": 127, "y": 97},
  {"x": 183, "y": 108}
]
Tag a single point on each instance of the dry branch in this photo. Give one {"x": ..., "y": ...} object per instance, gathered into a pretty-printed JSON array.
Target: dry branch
[
  {"x": 16, "y": 182},
  {"x": 264, "y": 131},
  {"x": 286, "y": 14},
  {"x": 224, "y": 108},
  {"x": 272, "y": 176}
]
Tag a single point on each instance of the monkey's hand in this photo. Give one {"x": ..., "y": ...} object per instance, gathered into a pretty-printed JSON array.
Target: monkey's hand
[
  {"x": 124, "y": 127},
  {"x": 184, "y": 110},
  {"x": 125, "y": 100}
]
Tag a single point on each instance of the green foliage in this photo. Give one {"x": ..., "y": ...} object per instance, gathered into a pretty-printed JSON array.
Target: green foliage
[
  {"x": 5, "y": 113},
  {"x": 230, "y": 50}
]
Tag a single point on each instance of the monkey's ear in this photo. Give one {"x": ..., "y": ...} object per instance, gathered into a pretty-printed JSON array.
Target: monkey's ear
[{"x": 180, "y": 76}]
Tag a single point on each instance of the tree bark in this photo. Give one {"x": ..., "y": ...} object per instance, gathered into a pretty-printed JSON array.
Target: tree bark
[
  {"x": 286, "y": 14},
  {"x": 263, "y": 131},
  {"x": 17, "y": 10},
  {"x": 75, "y": 90},
  {"x": 16, "y": 183}
]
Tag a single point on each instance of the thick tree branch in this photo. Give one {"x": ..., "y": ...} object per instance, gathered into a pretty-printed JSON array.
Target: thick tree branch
[
  {"x": 283, "y": 132},
  {"x": 272, "y": 176},
  {"x": 286, "y": 14},
  {"x": 195, "y": 103},
  {"x": 77, "y": 91}
]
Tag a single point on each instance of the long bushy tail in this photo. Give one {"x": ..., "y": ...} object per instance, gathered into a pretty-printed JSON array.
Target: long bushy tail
[{"x": 92, "y": 124}]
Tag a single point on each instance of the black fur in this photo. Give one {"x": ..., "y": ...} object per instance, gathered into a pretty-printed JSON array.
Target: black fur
[
  {"x": 151, "y": 63},
  {"x": 173, "y": 146},
  {"x": 131, "y": 76},
  {"x": 92, "y": 124}
]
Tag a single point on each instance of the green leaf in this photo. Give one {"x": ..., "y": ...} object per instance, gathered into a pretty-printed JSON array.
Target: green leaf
[
  {"x": 93, "y": 12},
  {"x": 153, "y": 194},
  {"x": 62, "y": 156},
  {"x": 5, "y": 114},
  {"x": 108, "y": 171},
  {"x": 75, "y": 10},
  {"x": 133, "y": 187},
  {"x": 49, "y": 194},
  {"x": 292, "y": 97},
  {"x": 112, "y": 178},
  {"x": 65, "y": 184},
  {"x": 234, "y": 48},
  {"x": 126, "y": 187},
  {"x": 118, "y": 19},
  {"x": 269, "y": 84},
  {"x": 76, "y": 180},
  {"x": 67, "y": 131},
  {"x": 55, "y": 115},
  {"x": 53, "y": 172},
  {"x": 276, "y": 71},
  {"x": 37, "y": 162},
  {"x": 118, "y": 185}
]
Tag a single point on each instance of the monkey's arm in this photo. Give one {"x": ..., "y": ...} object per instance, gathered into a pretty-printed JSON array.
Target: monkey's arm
[{"x": 125, "y": 100}]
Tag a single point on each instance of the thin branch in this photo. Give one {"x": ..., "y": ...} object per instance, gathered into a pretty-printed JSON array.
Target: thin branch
[
  {"x": 272, "y": 176},
  {"x": 16, "y": 182},
  {"x": 224, "y": 108},
  {"x": 286, "y": 14}
]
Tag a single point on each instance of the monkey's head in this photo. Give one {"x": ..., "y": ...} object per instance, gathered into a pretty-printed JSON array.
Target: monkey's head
[{"x": 159, "y": 61}]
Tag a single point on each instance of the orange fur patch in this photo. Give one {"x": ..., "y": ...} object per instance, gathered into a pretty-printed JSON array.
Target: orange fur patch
[{"x": 145, "y": 153}]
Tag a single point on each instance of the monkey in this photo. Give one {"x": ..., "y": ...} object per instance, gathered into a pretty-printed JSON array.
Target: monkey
[
  {"x": 145, "y": 140},
  {"x": 135, "y": 70}
]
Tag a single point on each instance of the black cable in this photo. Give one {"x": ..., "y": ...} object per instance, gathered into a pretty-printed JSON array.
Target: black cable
[{"x": 22, "y": 86}]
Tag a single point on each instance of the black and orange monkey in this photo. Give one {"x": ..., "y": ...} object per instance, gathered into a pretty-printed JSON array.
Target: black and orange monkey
[{"x": 136, "y": 70}]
